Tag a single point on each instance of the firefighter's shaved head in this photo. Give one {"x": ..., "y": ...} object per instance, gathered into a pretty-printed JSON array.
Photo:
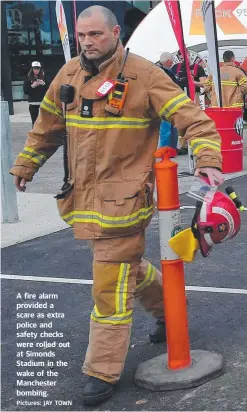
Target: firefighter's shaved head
[
  {"x": 109, "y": 17},
  {"x": 98, "y": 33}
]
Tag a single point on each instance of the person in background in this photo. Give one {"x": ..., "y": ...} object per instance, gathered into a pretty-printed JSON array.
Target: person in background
[
  {"x": 168, "y": 133},
  {"x": 233, "y": 83},
  {"x": 199, "y": 77},
  {"x": 197, "y": 72},
  {"x": 35, "y": 87}
]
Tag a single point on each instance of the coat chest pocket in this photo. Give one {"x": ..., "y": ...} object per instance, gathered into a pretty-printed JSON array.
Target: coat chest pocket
[{"x": 123, "y": 208}]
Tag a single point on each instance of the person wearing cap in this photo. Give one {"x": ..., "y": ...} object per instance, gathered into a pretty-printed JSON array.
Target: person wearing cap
[{"x": 35, "y": 87}]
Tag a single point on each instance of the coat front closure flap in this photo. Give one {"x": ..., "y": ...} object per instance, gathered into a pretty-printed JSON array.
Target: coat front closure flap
[{"x": 89, "y": 89}]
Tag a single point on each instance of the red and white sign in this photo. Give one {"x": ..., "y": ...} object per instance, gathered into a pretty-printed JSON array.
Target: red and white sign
[
  {"x": 105, "y": 88},
  {"x": 176, "y": 22}
]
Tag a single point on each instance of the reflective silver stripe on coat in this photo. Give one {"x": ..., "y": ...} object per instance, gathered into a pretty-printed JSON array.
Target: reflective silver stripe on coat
[
  {"x": 111, "y": 319},
  {"x": 31, "y": 154},
  {"x": 122, "y": 288},
  {"x": 51, "y": 107},
  {"x": 102, "y": 123},
  {"x": 173, "y": 105},
  {"x": 142, "y": 214},
  {"x": 204, "y": 144}
]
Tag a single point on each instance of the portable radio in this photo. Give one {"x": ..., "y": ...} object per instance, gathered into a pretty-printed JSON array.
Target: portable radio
[{"x": 117, "y": 96}]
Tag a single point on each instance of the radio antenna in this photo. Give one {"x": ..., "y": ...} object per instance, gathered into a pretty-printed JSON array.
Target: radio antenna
[{"x": 123, "y": 64}]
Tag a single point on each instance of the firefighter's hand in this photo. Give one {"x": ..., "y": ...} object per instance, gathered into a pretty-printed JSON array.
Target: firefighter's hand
[
  {"x": 20, "y": 183},
  {"x": 215, "y": 176}
]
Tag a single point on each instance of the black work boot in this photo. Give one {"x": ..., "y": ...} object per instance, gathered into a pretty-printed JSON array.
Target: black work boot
[
  {"x": 96, "y": 391},
  {"x": 159, "y": 333}
]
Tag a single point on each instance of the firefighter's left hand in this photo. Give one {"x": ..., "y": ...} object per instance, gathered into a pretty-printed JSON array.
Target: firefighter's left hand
[{"x": 215, "y": 176}]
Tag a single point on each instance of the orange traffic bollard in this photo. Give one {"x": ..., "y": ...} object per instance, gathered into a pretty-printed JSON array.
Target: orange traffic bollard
[
  {"x": 178, "y": 368},
  {"x": 175, "y": 307}
]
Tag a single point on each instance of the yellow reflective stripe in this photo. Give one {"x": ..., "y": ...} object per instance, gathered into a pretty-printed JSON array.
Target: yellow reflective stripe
[
  {"x": 47, "y": 109},
  {"x": 29, "y": 157},
  {"x": 200, "y": 143},
  {"x": 107, "y": 122},
  {"x": 104, "y": 218},
  {"x": 53, "y": 104},
  {"x": 243, "y": 80},
  {"x": 30, "y": 153},
  {"x": 171, "y": 101},
  {"x": 205, "y": 146},
  {"x": 237, "y": 105},
  {"x": 120, "y": 276},
  {"x": 121, "y": 289},
  {"x": 121, "y": 316},
  {"x": 73, "y": 220},
  {"x": 109, "y": 126},
  {"x": 228, "y": 83},
  {"x": 173, "y": 105},
  {"x": 34, "y": 153},
  {"x": 51, "y": 107},
  {"x": 116, "y": 315},
  {"x": 201, "y": 140},
  {"x": 177, "y": 107},
  {"x": 110, "y": 119},
  {"x": 125, "y": 288},
  {"x": 112, "y": 321},
  {"x": 149, "y": 278}
]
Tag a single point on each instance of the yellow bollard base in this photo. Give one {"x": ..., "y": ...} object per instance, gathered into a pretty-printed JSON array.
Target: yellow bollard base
[{"x": 154, "y": 374}]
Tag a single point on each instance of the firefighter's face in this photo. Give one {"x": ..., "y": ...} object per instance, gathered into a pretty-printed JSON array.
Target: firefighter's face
[{"x": 95, "y": 37}]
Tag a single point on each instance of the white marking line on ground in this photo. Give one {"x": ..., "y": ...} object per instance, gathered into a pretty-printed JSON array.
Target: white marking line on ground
[
  {"x": 47, "y": 279},
  {"x": 216, "y": 290},
  {"x": 90, "y": 282}
]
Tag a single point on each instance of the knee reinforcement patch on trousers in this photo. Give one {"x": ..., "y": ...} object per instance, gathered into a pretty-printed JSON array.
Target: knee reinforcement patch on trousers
[{"x": 113, "y": 292}]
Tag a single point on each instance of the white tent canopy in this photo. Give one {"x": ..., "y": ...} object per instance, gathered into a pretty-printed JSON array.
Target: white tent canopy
[{"x": 154, "y": 35}]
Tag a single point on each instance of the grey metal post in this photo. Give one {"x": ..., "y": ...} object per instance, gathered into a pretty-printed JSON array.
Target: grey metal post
[{"x": 8, "y": 193}]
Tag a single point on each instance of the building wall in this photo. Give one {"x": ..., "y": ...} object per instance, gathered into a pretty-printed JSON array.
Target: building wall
[{"x": 33, "y": 33}]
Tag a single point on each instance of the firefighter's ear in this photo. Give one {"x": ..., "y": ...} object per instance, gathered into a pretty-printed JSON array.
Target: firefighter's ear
[{"x": 116, "y": 31}]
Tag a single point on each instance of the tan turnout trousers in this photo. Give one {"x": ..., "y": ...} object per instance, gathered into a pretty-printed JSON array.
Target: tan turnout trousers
[{"x": 120, "y": 277}]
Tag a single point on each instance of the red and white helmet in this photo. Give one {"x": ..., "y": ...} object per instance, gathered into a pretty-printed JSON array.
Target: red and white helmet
[{"x": 215, "y": 222}]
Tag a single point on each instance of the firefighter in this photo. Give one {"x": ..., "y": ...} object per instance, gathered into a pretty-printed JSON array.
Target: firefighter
[
  {"x": 109, "y": 195},
  {"x": 233, "y": 83}
]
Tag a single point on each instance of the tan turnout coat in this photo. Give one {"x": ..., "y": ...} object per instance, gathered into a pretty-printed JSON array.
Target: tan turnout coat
[
  {"x": 233, "y": 86},
  {"x": 110, "y": 156}
]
